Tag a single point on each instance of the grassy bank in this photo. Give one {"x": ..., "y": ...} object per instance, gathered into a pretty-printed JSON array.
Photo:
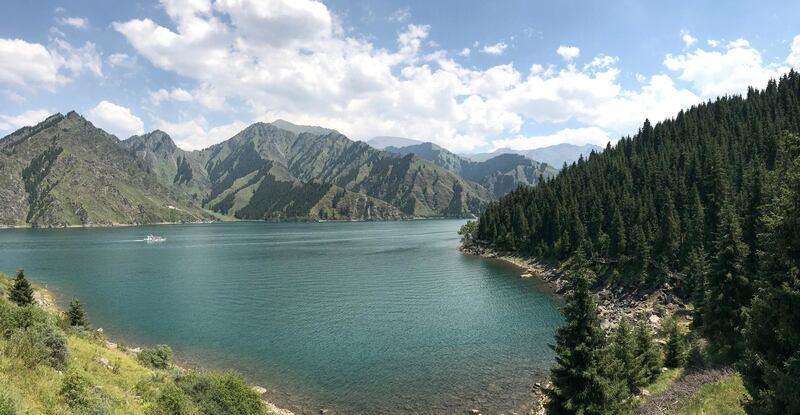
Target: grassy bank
[{"x": 50, "y": 367}]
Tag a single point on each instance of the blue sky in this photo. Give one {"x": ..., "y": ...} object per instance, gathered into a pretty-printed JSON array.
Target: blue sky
[{"x": 469, "y": 75}]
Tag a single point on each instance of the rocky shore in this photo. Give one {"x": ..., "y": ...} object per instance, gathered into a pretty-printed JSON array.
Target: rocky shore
[{"x": 615, "y": 302}]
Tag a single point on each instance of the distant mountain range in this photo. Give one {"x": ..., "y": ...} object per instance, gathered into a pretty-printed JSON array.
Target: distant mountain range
[
  {"x": 499, "y": 175},
  {"x": 555, "y": 155},
  {"x": 65, "y": 171}
]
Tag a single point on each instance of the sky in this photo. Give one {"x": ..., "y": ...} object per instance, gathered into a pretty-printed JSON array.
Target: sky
[{"x": 471, "y": 76}]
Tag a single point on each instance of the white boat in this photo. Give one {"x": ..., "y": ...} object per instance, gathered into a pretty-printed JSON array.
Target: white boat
[{"x": 154, "y": 238}]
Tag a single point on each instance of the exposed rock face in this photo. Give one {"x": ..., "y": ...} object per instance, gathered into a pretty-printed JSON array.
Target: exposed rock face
[
  {"x": 500, "y": 174},
  {"x": 64, "y": 171}
]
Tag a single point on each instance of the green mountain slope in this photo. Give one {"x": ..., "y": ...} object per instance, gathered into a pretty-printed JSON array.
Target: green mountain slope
[
  {"x": 64, "y": 171},
  {"x": 414, "y": 187},
  {"x": 500, "y": 174}
]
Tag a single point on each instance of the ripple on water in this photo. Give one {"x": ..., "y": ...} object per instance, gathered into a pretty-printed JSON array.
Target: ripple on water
[{"x": 354, "y": 317}]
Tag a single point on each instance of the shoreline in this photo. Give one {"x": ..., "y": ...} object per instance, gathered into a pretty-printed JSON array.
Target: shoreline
[
  {"x": 614, "y": 303},
  {"x": 45, "y": 298},
  {"x": 227, "y": 220}
]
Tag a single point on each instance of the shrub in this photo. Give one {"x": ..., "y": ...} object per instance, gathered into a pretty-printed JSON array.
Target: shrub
[
  {"x": 221, "y": 393},
  {"x": 172, "y": 401},
  {"x": 7, "y": 405},
  {"x": 159, "y": 357},
  {"x": 40, "y": 343},
  {"x": 13, "y": 317},
  {"x": 75, "y": 390}
]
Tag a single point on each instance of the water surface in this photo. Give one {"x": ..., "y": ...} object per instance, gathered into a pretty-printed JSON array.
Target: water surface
[{"x": 373, "y": 317}]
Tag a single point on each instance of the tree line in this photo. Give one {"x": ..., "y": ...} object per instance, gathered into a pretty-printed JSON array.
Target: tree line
[{"x": 711, "y": 198}]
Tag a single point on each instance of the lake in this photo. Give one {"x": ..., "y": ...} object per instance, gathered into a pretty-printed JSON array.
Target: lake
[{"x": 369, "y": 317}]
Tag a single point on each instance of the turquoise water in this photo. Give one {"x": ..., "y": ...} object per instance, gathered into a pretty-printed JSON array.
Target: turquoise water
[{"x": 373, "y": 317}]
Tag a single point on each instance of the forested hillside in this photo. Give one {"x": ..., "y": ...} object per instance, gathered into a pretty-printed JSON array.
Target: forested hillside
[{"x": 710, "y": 198}]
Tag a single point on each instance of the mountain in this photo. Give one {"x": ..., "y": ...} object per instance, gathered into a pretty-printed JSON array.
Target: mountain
[
  {"x": 173, "y": 167},
  {"x": 65, "y": 171},
  {"x": 299, "y": 129},
  {"x": 381, "y": 142},
  {"x": 555, "y": 155},
  {"x": 499, "y": 175},
  {"x": 244, "y": 171}
]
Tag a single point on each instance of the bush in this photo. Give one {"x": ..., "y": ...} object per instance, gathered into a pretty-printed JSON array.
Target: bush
[
  {"x": 13, "y": 317},
  {"x": 75, "y": 390},
  {"x": 159, "y": 357},
  {"x": 7, "y": 405},
  {"x": 172, "y": 401},
  {"x": 675, "y": 355},
  {"x": 698, "y": 353},
  {"x": 40, "y": 343},
  {"x": 221, "y": 393}
]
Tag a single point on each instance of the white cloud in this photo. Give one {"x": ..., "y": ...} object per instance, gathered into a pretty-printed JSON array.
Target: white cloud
[
  {"x": 496, "y": 49},
  {"x": 577, "y": 136},
  {"x": 76, "y": 22},
  {"x": 794, "y": 55},
  {"x": 465, "y": 52},
  {"x": 400, "y": 15},
  {"x": 11, "y": 123},
  {"x": 715, "y": 73},
  {"x": 32, "y": 65},
  {"x": 688, "y": 39},
  {"x": 118, "y": 59},
  {"x": 23, "y": 63},
  {"x": 115, "y": 119},
  {"x": 78, "y": 60},
  {"x": 176, "y": 94},
  {"x": 293, "y": 60},
  {"x": 195, "y": 134},
  {"x": 713, "y": 43},
  {"x": 568, "y": 53}
]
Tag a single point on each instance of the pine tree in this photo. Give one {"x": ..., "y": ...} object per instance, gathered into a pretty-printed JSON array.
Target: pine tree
[
  {"x": 771, "y": 366},
  {"x": 728, "y": 289},
  {"x": 668, "y": 234},
  {"x": 76, "y": 315},
  {"x": 629, "y": 361},
  {"x": 696, "y": 274},
  {"x": 677, "y": 349},
  {"x": 21, "y": 291},
  {"x": 650, "y": 357},
  {"x": 582, "y": 382}
]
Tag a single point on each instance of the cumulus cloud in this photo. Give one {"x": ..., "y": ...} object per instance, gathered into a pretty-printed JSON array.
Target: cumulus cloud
[
  {"x": 568, "y": 53},
  {"x": 794, "y": 54},
  {"x": 115, "y": 119},
  {"x": 76, "y": 22},
  {"x": 732, "y": 70},
  {"x": 688, "y": 39},
  {"x": 195, "y": 134},
  {"x": 465, "y": 52},
  {"x": 497, "y": 49},
  {"x": 119, "y": 59},
  {"x": 9, "y": 123},
  {"x": 175, "y": 94},
  {"x": 292, "y": 59},
  {"x": 33, "y": 65},
  {"x": 400, "y": 15},
  {"x": 713, "y": 43}
]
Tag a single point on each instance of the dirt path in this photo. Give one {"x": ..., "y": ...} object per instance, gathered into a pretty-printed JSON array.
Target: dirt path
[{"x": 682, "y": 390}]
